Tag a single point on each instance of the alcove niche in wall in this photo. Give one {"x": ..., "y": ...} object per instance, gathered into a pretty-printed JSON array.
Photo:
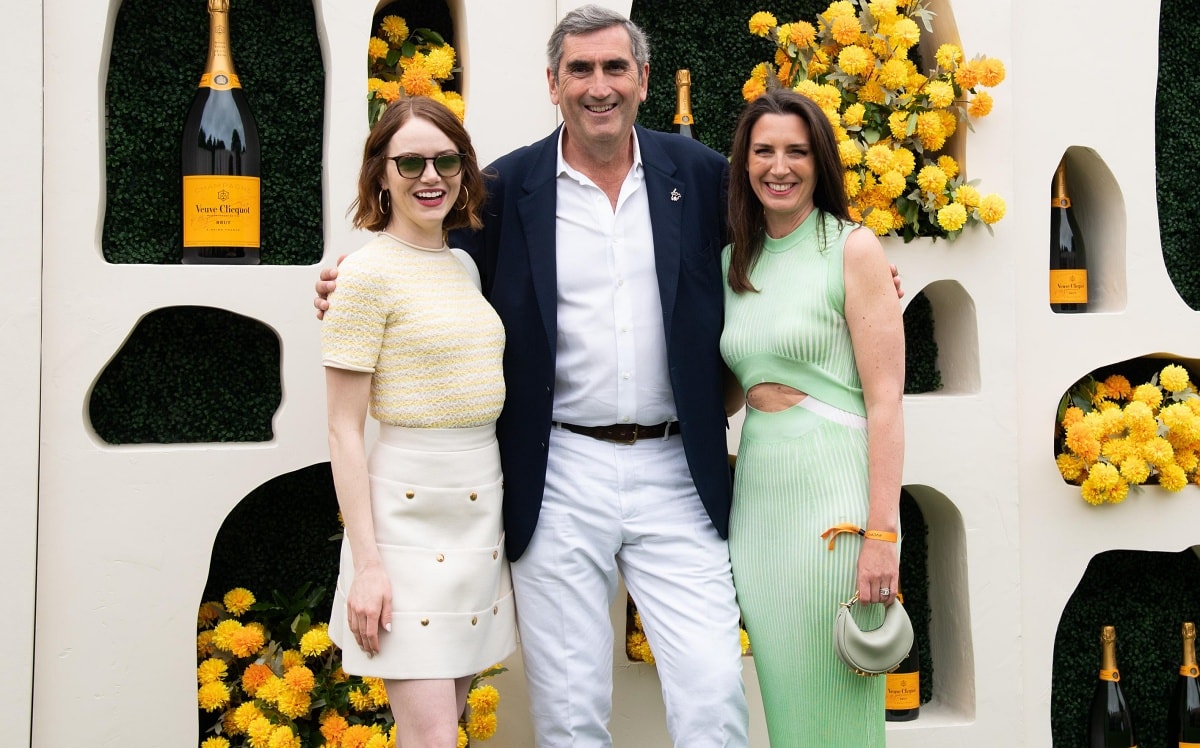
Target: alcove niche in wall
[
  {"x": 955, "y": 338},
  {"x": 1099, "y": 208},
  {"x": 1146, "y": 596},
  {"x": 189, "y": 374},
  {"x": 276, "y": 52},
  {"x": 439, "y": 17},
  {"x": 946, "y": 614},
  {"x": 281, "y": 542}
]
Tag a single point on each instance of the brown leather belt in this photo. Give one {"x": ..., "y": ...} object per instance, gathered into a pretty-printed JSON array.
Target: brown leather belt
[{"x": 624, "y": 433}]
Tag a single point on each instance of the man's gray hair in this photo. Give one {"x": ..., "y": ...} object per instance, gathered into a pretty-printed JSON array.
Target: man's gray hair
[{"x": 589, "y": 18}]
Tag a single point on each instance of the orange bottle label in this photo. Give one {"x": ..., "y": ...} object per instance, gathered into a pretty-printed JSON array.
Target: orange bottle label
[
  {"x": 1110, "y": 675},
  {"x": 1068, "y": 287},
  {"x": 220, "y": 81},
  {"x": 1189, "y": 745},
  {"x": 1190, "y": 671},
  {"x": 220, "y": 211},
  {"x": 903, "y": 691}
]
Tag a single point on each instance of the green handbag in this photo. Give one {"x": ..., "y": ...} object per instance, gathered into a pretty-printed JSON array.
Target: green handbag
[{"x": 878, "y": 650}]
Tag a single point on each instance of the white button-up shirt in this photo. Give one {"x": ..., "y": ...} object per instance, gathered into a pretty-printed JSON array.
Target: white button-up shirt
[{"x": 611, "y": 365}]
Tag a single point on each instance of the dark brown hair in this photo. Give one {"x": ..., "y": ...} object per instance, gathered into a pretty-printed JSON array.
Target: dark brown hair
[
  {"x": 747, "y": 220},
  {"x": 368, "y": 213}
]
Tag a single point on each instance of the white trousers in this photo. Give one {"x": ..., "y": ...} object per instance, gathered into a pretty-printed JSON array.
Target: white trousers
[{"x": 632, "y": 509}]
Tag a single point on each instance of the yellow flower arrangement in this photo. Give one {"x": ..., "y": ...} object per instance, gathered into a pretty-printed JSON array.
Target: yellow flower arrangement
[
  {"x": 409, "y": 62},
  {"x": 891, "y": 120},
  {"x": 268, "y": 676},
  {"x": 1112, "y": 436}
]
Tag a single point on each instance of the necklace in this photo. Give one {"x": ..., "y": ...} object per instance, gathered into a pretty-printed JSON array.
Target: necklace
[{"x": 410, "y": 245}]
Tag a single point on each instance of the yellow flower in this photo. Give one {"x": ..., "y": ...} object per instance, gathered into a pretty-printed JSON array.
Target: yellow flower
[
  {"x": 967, "y": 75},
  {"x": 853, "y": 116},
  {"x": 300, "y": 679},
  {"x": 849, "y": 153},
  {"x": 967, "y": 195},
  {"x": 246, "y": 640},
  {"x": 948, "y": 166},
  {"x": 212, "y": 669},
  {"x": 315, "y": 641},
  {"x": 223, "y": 634},
  {"x": 931, "y": 130},
  {"x": 1118, "y": 387},
  {"x": 245, "y": 714},
  {"x": 893, "y": 74},
  {"x": 377, "y": 691},
  {"x": 356, "y": 736},
  {"x": 744, "y": 639},
  {"x": 481, "y": 726},
  {"x": 940, "y": 93},
  {"x": 394, "y": 28},
  {"x": 752, "y": 89},
  {"x": 980, "y": 105},
  {"x": 904, "y": 34},
  {"x": 215, "y": 742},
  {"x": 377, "y": 49},
  {"x": 238, "y": 600},
  {"x": 801, "y": 33},
  {"x": 948, "y": 56},
  {"x": 852, "y": 183},
  {"x": 417, "y": 81},
  {"x": 213, "y": 696},
  {"x": 271, "y": 689},
  {"x": 361, "y": 701},
  {"x": 931, "y": 179},
  {"x": 871, "y": 92},
  {"x": 1172, "y": 478},
  {"x": 898, "y": 124},
  {"x": 838, "y": 9},
  {"x": 283, "y": 737},
  {"x": 1135, "y": 470},
  {"x": 1104, "y": 484},
  {"x": 952, "y": 217},
  {"x": 294, "y": 704},
  {"x": 291, "y": 658},
  {"x": 440, "y": 61},
  {"x": 207, "y": 614},
  {"x": 879, "y": 221},
  {"x": 254, "y": 676},
  {"x": 992, "y": 208},
  {"x": 260, "y": 732},
  {"x": 854, "y": 60},
  {"x": 991, "y": 72},
  {"x": 879, "y": 158},
  {"x": 377, "y": 741},
  {"x": 1072, "y": 416},
  {"x": 760, "y": 72},
  {"x": 204, "y": 645},
  {"x": 903, "y": 161},
  {"x": 882, "y": 9},
  {"x": 892, "y": 184},
  {"x": 845, "y": 29},
  {"x": 332, "y": 727},
  {"x": 761, "y": 23},
  {"x": 1070, "y": 466},
  {"x": 463, "y": 740},
  {"x": 1144, "y": 393},
  {"x": 1158, "y": 451},
  {"x": 1174, "y": 378},
  {"x": 483, "y": 699}
]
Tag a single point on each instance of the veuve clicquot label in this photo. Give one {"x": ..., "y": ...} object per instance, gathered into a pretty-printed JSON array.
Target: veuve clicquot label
[
  {"x": 903, "y": 691},
  {"x": 220, "y": 211},
  {"x": 1068, "y": 286}
]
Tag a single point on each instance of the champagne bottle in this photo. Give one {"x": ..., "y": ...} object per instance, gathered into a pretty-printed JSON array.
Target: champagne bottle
[
  {"x": 1110, "y": 723},
  {"x": 221, "y": 203},
  {"x": 903, "y": 700},
  {"x": 685, "y": 123},
  {"x": 1183, "y": 717},
  {"x": 1068, "y": 259}
]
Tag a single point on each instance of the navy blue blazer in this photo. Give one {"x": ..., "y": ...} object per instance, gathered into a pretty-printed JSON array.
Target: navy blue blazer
[{"x": 686, "y": 183}]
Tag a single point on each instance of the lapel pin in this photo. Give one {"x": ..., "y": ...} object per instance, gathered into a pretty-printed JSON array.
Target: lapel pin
[{"x": 675, "y": 196}]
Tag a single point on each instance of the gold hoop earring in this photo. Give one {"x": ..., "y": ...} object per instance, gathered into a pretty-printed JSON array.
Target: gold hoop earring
[
  {"x": 466, "y": 199},
  {"x": 385, "y": 194}
]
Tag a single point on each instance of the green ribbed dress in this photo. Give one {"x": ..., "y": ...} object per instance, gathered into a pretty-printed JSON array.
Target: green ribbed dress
[{"x": 798, "y": 473}]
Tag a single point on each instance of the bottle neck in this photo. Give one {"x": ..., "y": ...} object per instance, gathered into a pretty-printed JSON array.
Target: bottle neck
[
  {"x": 1108, "y": 655},
  {"x": 683, "y": 98},
  {"x": 1059, "y": 197},
  {"x": 218, "y": 70},
  {"x": 1188, "y": 666}
]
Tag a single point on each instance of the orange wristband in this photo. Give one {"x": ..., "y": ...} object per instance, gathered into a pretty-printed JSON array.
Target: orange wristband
[
  {"x": 887, "y": 537},
  {"x": 833, "y": 532}
]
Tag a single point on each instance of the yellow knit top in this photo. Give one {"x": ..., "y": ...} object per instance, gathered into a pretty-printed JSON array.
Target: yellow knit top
[{"x": 416, "y": 321}]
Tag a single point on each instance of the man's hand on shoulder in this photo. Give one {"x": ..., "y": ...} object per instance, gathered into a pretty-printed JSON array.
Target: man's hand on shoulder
[{"x": 325, "y": 286}]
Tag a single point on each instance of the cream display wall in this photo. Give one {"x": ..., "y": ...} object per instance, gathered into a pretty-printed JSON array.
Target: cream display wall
[{"x": 124, "y": 533}]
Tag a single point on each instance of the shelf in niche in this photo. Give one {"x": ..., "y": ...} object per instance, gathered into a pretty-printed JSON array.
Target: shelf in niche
[
  {"x": 1099, "y": 207},
  {"x": 955, "y": 336},
  {"x": 950, "y": 634}
]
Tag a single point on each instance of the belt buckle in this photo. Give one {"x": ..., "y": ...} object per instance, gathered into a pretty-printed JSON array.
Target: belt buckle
[{"x": 631, "y": 440}]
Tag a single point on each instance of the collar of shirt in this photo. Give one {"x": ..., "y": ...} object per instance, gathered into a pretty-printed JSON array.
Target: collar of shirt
[{"x": 565, "y": 169}]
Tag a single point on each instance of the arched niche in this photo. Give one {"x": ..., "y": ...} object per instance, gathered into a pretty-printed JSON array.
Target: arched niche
[
  {"x": 955, "y": 336},
  {"x": 189, "y": 374},
  {"x": 1146, "y": 596},
  {"x": 1099, "y": 208},
  {"x": 440, "y": 16},
  {"x": 277, "y": 54},
  {"x": 951, "y": 645}
]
